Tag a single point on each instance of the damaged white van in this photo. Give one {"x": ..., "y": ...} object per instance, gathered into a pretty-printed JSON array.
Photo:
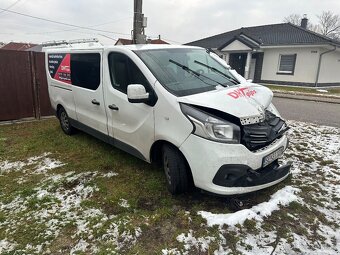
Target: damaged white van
[{"x": 179, "y": 105}]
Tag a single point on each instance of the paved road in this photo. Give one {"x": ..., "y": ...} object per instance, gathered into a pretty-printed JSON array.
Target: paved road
[{"x": 309, "y": 111}]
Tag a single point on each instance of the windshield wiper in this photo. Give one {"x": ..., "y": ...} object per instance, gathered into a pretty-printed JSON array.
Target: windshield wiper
[
  {"x": 233, "y": 80},
  {"x": 197, "y": 74}
]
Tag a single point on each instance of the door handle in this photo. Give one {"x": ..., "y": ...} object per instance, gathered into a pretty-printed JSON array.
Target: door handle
[
  {"x": 94, "y": 101},
  {"x": 113, "y": 107}
]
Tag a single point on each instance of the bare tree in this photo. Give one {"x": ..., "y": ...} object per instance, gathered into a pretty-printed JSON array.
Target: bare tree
[
  {"x": 296, "y": 20},
  {"x": 329, "y": 24},
  {"x": 293, "y": 18}
]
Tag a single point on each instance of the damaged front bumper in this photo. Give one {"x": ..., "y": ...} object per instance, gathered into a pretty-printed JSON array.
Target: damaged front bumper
[
  {"x": 244, "y": 177},
  {"x": 231, "y": 169}
]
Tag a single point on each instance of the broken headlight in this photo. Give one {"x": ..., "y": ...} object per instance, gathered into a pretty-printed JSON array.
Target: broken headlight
[{"x": 212, "y": 127}]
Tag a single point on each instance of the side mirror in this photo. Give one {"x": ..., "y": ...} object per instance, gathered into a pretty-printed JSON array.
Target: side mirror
[
  {"x": 250, "y": 80},
  {"x": 136, "y": 93}
]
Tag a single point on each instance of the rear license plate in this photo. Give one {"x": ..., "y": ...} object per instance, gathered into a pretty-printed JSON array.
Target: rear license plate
[{"x": 272, "y": 156}]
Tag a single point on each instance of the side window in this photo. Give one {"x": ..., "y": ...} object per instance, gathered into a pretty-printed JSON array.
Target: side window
[
  {"x": 118, "y": 71},
  {"x": 123, "y": 71},
  {"x": 85, "y": 70}
]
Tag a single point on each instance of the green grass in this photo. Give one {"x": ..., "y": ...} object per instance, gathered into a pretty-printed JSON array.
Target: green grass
[
  {"x": 331, "y": 91},
  {"x": 160, "y": 216}
]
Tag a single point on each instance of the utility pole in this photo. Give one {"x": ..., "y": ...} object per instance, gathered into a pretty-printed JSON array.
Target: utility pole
[{"x": 139, "y": 23}]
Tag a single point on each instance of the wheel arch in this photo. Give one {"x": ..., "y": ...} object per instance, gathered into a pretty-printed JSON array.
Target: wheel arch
[
  {"x": 156, "y": 155},
  {"x": 59, "y": 106}
]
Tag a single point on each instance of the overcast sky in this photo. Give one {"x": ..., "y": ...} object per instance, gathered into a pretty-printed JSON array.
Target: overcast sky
[{"x": 175, "y": 20}]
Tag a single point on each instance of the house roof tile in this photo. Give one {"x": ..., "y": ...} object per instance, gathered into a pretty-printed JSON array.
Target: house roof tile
[{"x": 268, "y": 35}]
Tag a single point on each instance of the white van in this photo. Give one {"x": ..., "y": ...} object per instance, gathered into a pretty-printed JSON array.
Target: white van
[{"x": 179, "y": 105}]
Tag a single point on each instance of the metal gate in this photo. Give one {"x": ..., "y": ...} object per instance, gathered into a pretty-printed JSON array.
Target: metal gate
[{"x": 23, "y": 85}]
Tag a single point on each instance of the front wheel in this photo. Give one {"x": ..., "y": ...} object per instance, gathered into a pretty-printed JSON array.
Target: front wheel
[
  {"x": 65, "y": 122},
  {"x": 176, "y": 170}
]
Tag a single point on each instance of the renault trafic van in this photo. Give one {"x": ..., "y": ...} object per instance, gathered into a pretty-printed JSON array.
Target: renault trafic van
[{"x": 180, "y": 105}]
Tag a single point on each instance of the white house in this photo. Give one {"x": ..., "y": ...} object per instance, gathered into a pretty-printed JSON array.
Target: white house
[{"x": 279, "y": 54}]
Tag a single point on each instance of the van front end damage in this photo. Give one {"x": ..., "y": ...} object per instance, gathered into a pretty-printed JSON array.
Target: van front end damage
[
  {"x": 231, "y": 169},
  {"x": 248, "y": 161}
]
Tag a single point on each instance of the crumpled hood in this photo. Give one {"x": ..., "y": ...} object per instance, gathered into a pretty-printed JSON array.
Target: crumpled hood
[{"x": 242, "y": 101}]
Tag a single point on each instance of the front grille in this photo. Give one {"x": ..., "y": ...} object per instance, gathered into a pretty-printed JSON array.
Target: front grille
[{"x": 259, "y": 135}]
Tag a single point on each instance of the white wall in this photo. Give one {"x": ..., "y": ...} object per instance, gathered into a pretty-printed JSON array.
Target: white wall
[
  {"x": 330, "y": 67},
  {"x": 236, "y": 46},
  {"x": 305, "y": 68}
]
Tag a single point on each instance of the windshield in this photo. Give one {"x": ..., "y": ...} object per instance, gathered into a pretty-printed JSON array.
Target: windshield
[{"x": 185, "y": 71}]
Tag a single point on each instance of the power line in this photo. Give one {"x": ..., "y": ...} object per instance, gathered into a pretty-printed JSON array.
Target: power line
[
  {"x": 61, "y": 23},
  {"x": 68, "y": 24},
  {"x": 9, "y": 7},
  {"x": 74, "y": 29}
]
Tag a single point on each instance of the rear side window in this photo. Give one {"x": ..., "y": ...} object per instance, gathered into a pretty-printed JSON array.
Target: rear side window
[
  {"x": 85, "y": 70},
  {"x": 123, "y": 72},
  {"x": 82, "y": 70}
]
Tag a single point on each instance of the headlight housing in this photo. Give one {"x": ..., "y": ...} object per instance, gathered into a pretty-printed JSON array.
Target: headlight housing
[
  {"x": 273, "y": 110},
  {"x": 211, "y": 127}
]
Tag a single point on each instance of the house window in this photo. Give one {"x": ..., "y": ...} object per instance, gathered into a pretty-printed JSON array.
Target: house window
[{"x": 287, "y": 64}]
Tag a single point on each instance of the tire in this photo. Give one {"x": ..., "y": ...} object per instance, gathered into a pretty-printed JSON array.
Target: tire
[
  {"x": 176, "y": 170},
  {"x": 65, "y": 123}
]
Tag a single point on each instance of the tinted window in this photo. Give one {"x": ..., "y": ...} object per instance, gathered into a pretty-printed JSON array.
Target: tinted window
[
  {"x": 123, "y": 71},
  {"x": 85, "y": 70}
]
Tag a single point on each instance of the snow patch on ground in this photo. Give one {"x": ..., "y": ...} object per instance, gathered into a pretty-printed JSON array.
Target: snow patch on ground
[
  {"x": 57, "y": 202},
  {"x": 6, "y": 246},
  {"x": 201, "y": 244},
  {"x": 40, "y": 164},
  {"x": 110, "y": 174},
  {"x": 281, "y": 198},
  {"x": 123, "y": 203}
]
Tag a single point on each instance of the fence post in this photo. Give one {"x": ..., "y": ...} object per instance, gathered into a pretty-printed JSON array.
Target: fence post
[{"x": 35, "y": 90}]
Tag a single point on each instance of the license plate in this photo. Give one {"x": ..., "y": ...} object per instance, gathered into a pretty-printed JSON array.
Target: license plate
[{"x": 272, "y": 156}]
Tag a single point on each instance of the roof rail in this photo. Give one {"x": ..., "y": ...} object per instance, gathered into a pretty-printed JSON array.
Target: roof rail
[{"x": 64, "y": 42}]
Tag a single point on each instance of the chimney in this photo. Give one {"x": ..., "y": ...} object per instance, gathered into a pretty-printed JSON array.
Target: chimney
[
  {"x": 159, "y": 37},
  {"x": 304, "y": 21}
]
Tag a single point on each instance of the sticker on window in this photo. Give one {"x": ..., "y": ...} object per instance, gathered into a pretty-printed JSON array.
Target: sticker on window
[{"x": 59, "y": 66}]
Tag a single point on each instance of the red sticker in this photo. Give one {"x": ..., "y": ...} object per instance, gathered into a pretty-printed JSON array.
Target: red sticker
[
  {"x": 60, "y": 67},
  {"x": 242, "y": 92},
  {"x": 64, "y": 71}
]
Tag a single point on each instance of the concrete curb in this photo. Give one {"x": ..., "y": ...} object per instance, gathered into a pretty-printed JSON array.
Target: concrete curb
[{"x": 308, "y": 97}]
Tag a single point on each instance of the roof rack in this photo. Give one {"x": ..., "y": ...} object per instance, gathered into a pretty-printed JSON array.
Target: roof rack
[{"x": 64, "y": 42}]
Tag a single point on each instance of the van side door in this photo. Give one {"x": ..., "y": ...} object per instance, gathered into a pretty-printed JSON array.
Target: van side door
[
  {"x": 130, "y": 124},
  {"x": 86, "y": 70}
]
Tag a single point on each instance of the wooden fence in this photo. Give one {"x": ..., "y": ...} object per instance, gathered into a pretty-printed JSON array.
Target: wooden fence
[{"x": 23, "y": 85}]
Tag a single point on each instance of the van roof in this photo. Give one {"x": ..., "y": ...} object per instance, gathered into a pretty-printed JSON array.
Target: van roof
[
  {"x": 133, "y": 47},
  {"x": 153, "y": 46}
]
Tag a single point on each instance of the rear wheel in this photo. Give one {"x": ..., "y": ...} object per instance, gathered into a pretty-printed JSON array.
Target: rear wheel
[
  {"x": 176, "y": 170},
  {"x": 65, "y": 122}
]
